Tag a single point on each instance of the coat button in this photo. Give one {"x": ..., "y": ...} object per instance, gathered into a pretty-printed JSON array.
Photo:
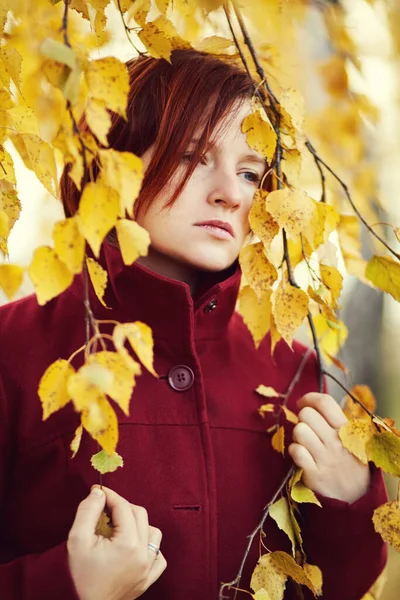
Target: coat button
[
  {"x": 181, "y": 378},
  {"x": 211, "y": 306}
]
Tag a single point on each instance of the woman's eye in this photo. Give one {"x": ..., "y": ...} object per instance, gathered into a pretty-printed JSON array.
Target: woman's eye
[
  {"x": 188, "y": 156},
  {"x": 254, "y": 177}
]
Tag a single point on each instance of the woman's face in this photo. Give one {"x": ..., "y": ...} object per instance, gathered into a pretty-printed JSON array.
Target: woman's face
[{"x": 220, "y": 191}]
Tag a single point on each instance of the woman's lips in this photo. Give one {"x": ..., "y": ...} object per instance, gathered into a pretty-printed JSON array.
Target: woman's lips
[{"x": 220, "y": 230}]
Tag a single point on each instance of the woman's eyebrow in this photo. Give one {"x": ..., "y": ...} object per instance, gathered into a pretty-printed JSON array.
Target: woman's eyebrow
[{"x": 254, "y": 158}]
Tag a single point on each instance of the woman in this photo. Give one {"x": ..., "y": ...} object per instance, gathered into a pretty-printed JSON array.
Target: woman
[{"x": 198, "y": 465}]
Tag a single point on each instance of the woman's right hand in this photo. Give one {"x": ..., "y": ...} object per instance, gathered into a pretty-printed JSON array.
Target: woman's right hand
[{"x": 119, "y": 568}]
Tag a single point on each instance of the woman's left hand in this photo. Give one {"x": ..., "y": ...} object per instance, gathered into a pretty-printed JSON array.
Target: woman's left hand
[{"x": 328, "y": 468}]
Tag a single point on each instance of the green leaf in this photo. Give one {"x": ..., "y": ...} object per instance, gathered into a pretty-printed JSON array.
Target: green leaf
[
  {"x": 384, "y": 272},
  {"x": 58, "y": 52},
  {"x": 384, "y": 450},
  {"x": 106, "y": 463}
]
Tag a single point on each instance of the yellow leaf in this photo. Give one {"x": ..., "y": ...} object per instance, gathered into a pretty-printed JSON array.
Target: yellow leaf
[
  {"x": 268, "y": 392},
  {"x": 7, "y": 172},
  {"x": 72, "y": 86},
  {"x": 331, "y": 336},
  {"x": 384, "y": 272},
  {"x": 139, "y": 336},
  {"x": 291, "y": 166},
  {"x": 106, "y": 463},
  {"x": 299, "y": 492},
  {"x": 58, "y": 51},
  {"x": 292, "y": 108},
  {"x": 320, "y": 297},
  {"x": 12, "y": 61},
  {"x": 261, "y": 222},
  {"x": 108, "y": 81},
  {"x": 38, "y": 156},
  {"x": 314, "y": 574},
  {"x": 386, "y": 521},
  {"x": 104, "y": 527},
  {"x": 261, "y": 595},
  {"x": 261, "y": 135},
  {"x": 324, "y": 220},
  {"x": 138, "y": 10},
  {"x": 104, "y": 430},
  {"x": 134, "y": 240},
  {"x": 23, "y": 119},
  {"x": 292, "y": 209},
  {"x": 4, "y": 224},
  {"x": 98, "y": 277},
  {"x": 214, "y": 44},
  {"x": 266, "y": 408},
  {"x": 98, "y": 119},
  {"x": 269, "y": 577},
  {"x": 53, "y": 387},
  {"x": 364, "y": 394},
  {"x": 290, "y": 308},
  {"x": 77, "y": 170},
  {"x": 49, "y": 274},
  {"x": 69, "y": 244},
  {"x": 11, "y": 277},
  {"x": 155, "y": 41},
  {"x": 255, "y": 313},
  {"x": 349, "y": 237},
  {"x": 122, "y": 171},
  {"x": 288, "y": 566},
  {"x": 278, "y": 440},
  {"x": 98, "y": 417},
  {"x": 333, "y": 280},
  {"x": 98, "y": 212},
  {"x": 384, "y": 450},
  {"x": 354, "y": 436},
  {"x": 290, "y": 415},
  {"x": 257, "y": 269},
  {"x": 11, "y": 205},
  {"x": 123, "y": 381},
  {"x": 275, "y": 334},
  {"x": 280, "y": 512},
  {"x": 76, "y": 442}
]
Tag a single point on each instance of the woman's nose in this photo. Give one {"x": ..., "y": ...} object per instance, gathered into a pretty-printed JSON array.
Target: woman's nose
[{"x": 226, "y": 190}]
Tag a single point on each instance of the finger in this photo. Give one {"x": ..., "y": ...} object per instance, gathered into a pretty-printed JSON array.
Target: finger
[
  {"x": 155, "y": 537},
  {"x": 305, "y": 436},
  {"x": 87, "y": 515},
  {"x": 124, "y": 523},
  {"x": 302, "y": 458},
  {"x": 326, "y": 406},
  {"x": 318, "y": 424},
  {"x": 142, "y": 522},
  {"x": 157, "y": 569}
]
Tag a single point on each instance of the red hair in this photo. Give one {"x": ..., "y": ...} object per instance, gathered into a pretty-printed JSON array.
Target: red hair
[{"x": 166, "y": 104}]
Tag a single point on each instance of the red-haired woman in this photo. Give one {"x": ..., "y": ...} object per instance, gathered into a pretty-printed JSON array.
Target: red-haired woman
[{"x": 199, "y": 468}]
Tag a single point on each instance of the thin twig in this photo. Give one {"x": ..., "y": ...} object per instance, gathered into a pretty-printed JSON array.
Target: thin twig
[
  {"x": 352, "y": 396},
  {"x": 349, "y": 198},
  {"x": 251, "y": 537},
  {"x": 128, "y": 30},
  {"x": 65, "y": 24}
]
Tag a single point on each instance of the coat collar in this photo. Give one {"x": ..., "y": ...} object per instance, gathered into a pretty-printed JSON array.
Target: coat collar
[{"x": 135, "y": 293}]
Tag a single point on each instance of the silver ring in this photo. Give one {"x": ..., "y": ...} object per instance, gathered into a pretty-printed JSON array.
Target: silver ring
[{"x": 153, "y": 547}]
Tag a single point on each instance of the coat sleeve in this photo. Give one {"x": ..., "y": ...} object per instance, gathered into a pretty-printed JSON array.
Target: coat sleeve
[
  {"x": 341, "y": 540},
  {"x": 36, "y": 576}
]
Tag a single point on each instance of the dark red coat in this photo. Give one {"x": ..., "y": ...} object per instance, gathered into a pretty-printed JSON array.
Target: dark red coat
[{"x": 199, "y": 460}]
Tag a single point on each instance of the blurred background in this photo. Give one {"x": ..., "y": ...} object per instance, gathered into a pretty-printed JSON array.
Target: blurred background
[{"x": 309, "y": 61}]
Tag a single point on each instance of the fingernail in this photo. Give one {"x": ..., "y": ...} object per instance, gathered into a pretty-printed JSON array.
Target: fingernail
[{"x": 96, "y": 491}]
